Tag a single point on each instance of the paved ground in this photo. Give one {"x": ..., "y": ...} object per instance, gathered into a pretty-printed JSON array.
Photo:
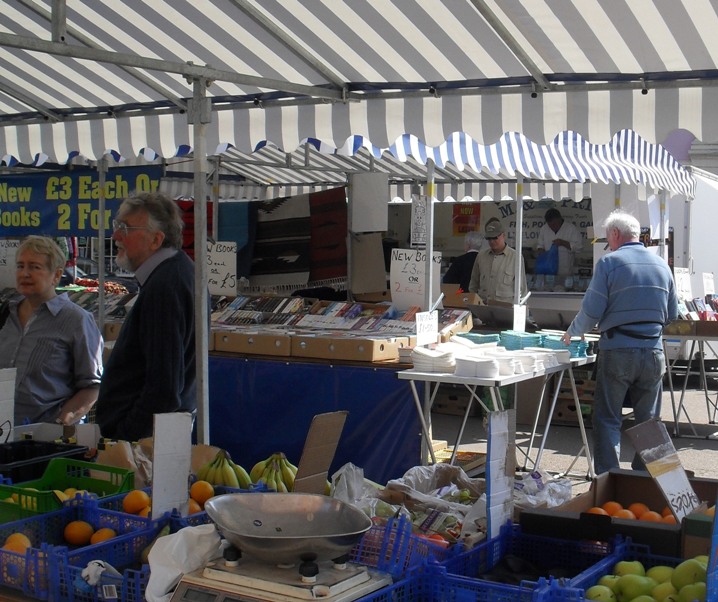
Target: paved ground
[{"x": 695, "y": 444}]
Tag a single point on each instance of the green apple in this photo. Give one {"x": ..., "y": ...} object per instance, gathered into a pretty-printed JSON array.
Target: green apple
[
  {"x": 631, "y": 586},
  {"x": 600, "y": 592},
  {"x": 702, "y": 558},
  {"x": 660, "y": 573},
  {"x": 692, "y": 592},
  {"x": 629, "y": 567},
  {"x": 609, "y": 581},
  {"x": 663, "y": 591},
  {"x": 687, "y": 572},
  {"x": 644, "y": 598}
]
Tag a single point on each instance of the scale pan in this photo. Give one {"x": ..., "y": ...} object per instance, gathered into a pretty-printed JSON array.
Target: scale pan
[{"x": 284, "y": 528}]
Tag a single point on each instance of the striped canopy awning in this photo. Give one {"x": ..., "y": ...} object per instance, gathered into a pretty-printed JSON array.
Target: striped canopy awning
[{"x": 119, "y": 77}]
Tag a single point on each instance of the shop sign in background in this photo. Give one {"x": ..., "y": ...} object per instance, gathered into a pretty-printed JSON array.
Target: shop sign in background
[
  {"x": 465, "y": 218},
  {"x": 65, "y": 203}
]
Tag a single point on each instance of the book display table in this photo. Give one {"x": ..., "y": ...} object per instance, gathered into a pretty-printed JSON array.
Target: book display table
[
  {"x": 432, "y": 380},
  {"x": 700, "y": 343}
]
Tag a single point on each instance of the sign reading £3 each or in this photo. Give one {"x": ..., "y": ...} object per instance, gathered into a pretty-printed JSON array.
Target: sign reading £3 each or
[{"x": 65, "y": 203}]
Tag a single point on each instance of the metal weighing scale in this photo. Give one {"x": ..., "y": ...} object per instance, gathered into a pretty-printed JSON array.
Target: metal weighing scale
[{"x": 250, "y": 580}]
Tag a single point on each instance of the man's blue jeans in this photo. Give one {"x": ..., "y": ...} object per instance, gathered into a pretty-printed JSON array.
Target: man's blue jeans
[{"x": 638, "y": 372}]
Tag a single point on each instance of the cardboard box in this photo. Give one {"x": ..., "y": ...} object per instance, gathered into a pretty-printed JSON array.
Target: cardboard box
[
  {"x": 682, "y": 327},
  {"x": 453, "y": 399},
  {"x": 696, "y": 534},
  {"x": 345, "y": 348},
  {"x": 378, "y": 297},
  {"x": 455, "y": 297},
  {"x": 706, "y": 328},
  {"x": 253, "y": 342},
  {"x": 625, "y": 487}
]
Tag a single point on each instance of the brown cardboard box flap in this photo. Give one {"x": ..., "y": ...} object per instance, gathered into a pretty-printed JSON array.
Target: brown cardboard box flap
[{"x": 318, "y": 452}]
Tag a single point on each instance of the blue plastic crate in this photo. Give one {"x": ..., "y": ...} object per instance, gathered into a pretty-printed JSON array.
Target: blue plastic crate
[
  {"x": 576, "y": 589},
  {"x": 393, "y": 548},
  {"x": 69, "y": 586},
  {"x": 436, "y": 585},
  {"x": 562, "y": 559},
  {"x": 408, "y": 589},
  {"x": 30, "y": 572}
]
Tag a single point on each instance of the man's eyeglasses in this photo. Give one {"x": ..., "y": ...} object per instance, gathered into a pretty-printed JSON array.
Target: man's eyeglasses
[
  {"x": 491, "y": 237},
  {"x": 123, "y": 228}
]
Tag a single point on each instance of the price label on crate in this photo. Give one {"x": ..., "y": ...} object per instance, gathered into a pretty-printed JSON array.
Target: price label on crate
[{"x": 654, "y": 445}]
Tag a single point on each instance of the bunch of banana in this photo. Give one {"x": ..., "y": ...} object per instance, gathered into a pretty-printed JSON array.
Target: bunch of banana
[
  {"x": 220, "y": 470},
  {"x": 276, "y": 472}
]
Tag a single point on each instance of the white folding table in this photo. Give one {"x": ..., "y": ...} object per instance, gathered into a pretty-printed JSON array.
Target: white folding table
[{"x": 433, "y": 380}]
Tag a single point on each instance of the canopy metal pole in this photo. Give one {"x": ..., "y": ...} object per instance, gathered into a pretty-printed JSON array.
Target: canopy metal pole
[
  {"x": 662, "y": 233},
  {"x": 430, "y": 192},
  {"x": 199, "y": 115},
  {"x": 103, "y": 223},
  {"x": 519, "y": 237}
]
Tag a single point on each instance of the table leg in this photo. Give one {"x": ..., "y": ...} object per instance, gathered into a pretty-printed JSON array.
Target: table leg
[
  {"x": 582, "y": 426},
  {"x": 527, "y": 454},
  {"x": 425, "y": 426},
  {"x": 681, "y": 407},
  {"x": 669, "y": 373},
  {"x": 554, "y": 397}
]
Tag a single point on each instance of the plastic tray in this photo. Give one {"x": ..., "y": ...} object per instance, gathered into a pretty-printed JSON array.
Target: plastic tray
[
  {"x": 393, "y": 548},
  {"x": 27, "y": 459},
  {"x": 60, "y": 474},
  {"x": 31, "y": 572}
]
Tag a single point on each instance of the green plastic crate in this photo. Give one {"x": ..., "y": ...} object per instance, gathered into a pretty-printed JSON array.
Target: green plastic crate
[{"x": 62, "y": 473}]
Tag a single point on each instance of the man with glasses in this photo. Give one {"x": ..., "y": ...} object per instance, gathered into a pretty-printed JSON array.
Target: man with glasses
[
  {"x": 151, "y": 368},
  {"x": 494, "y": 272}
]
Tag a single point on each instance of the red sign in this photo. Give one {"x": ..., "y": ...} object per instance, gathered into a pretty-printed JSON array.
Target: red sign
[{"x": 465, "y": 218}]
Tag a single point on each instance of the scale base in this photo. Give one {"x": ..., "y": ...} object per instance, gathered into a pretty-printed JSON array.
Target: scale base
[{"x": 264, "y": 582}]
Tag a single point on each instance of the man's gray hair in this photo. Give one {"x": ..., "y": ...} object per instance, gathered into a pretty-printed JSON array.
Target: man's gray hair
[
  {"x": 625, "y": 223},
  {"x": 164, "y": 215}
]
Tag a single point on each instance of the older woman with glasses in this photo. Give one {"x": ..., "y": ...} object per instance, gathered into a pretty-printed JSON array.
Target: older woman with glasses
[{"x": 53, "y": 343}]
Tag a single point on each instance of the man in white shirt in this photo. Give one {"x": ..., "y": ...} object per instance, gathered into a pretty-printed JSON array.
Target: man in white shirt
[{"x": 563, "y": 234}]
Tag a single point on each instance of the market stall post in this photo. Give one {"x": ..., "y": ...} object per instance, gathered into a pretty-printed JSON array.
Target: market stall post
[{"x": 199, "y": 115}]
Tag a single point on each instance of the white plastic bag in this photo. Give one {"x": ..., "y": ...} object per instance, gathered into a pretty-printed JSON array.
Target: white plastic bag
[{"x": 179, "y": 553}]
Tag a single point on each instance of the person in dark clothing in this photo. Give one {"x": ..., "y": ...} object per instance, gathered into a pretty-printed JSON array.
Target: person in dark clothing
[
  {"x": 151, "y": 369},
  {"x": 459, "y": 271}
]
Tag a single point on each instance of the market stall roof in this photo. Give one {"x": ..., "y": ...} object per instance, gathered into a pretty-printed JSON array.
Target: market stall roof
[
  {"x": 464, "y": 169},
  {"x": 97, "y": 77}
]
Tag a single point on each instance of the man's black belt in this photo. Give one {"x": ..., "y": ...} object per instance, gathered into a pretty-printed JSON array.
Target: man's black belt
[{"x": 634, "y": 335}]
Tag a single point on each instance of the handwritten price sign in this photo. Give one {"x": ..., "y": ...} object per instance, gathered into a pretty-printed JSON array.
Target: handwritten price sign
[{"x": 222, "y": 268}]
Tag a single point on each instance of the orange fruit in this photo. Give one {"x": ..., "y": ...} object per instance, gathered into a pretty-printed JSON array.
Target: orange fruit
[
  {"x": 669, "y": 518},
  {"x": 194, "y": 507},
  {"x": 145, "y": 512},
  {"x": 624, "y": 513},
  {"x": 638, "y": 508},
  {"x": 666, "y": 511},
  {"x": 201, "y": 491},
  {"x": 597, "y": 510},
  {"x": 710, "y": 511},
  {"x": 78, "y": 532},
  {"x": 651, "y": 516},
  {"x": 135, "y": 501},
  {"x": 17, "y": 542},
  {"x": 103, "y": 535},
  {"x": 611, "y": 507}
]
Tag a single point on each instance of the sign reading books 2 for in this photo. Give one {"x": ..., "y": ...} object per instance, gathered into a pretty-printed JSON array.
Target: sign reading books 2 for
[
  {"x": 222, "y": 268},
  {"x": 408, "y": 277}
]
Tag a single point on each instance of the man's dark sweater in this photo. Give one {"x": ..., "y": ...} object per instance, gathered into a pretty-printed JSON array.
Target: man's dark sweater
[{"x": 152, "y": 369}]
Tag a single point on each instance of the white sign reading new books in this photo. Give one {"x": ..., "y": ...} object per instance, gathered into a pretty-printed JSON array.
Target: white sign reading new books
[{"x": 408, "y": 280}]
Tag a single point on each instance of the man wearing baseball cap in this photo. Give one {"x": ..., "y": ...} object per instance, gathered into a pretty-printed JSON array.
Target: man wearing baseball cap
[{"x": 494, "y": 272}]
